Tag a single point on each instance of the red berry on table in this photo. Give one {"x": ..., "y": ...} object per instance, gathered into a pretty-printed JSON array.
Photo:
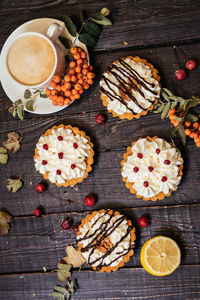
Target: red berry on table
[
  {"x": 191, "y": 64},
  {"x": 180, "y": 74},
  {"x": 89, "y": 200},
  {"x": 40, "y": 187},
  {"x": 66, "y": 224},
  {"x": 143, "y": 221},
  {"x": 75, "y": 228},
  {"x": 100, "y": 119},
  {"x": 37, "y": 212}
]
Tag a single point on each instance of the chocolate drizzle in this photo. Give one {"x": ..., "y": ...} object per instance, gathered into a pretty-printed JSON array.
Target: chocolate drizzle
[
  {"x": 134, "y": 82},
  {"x": 99, "y": 235}
]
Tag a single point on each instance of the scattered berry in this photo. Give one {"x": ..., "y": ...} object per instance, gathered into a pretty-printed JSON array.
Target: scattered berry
[
  {"x": 62, "y": 261},
  {"x": 37, "y": 212},
  {"x": 100, "y": 119},
  {"x": 89, "y": 200},
  {"x": 66, "y": 224},
  {"x": 75, "y": 228},
  {"x": 191, "y": 64},
  {"x": 143, "y": 221},
  {"x": 135, "y": 169},
  {"x": 180, "y": 74},
  {"x": 40, "y": 187}
]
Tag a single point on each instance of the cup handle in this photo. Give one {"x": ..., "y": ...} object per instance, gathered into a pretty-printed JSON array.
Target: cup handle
[{"x": 54, "y": 31}]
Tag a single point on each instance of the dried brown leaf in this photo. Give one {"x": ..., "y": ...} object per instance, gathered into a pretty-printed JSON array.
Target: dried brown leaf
[
  {"x": 13, "y": 142},
  {"x": 5, "y": 219},
  {"x": 13, "y": 185},
  {"x": 63, "y": 271},
  {"x": 74, "y": 257}
]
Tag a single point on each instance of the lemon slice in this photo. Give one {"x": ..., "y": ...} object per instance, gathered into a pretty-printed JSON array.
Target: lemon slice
[{"x": 160, "y": 256}]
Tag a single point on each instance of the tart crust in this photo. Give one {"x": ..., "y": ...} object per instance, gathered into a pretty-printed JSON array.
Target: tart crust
[
  {"x": 89, "y": 159},
  {"x": 126, "y": 258},
  {"x": 159, "y": 196},
  {"x": 130, "y": 116}
]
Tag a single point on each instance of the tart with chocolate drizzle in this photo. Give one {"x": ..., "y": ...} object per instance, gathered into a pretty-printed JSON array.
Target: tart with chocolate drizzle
[
  {"x": 106, "y": 240},
  {"x": 130, "y": 87}
]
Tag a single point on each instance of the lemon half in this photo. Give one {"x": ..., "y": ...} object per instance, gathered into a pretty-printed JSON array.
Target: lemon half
[{"x": 160, "y": 256}]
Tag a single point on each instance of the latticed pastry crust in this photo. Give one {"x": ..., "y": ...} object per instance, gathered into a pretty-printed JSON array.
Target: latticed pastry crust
[
  {"x": 89, "y": 160},
  {"x": 130, "y": 116},
  {"x": 126, "y": 258},
  {"x": 129, "y": 185}
]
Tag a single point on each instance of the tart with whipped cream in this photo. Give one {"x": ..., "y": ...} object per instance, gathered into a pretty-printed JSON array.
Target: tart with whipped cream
[
  {"x": 106, "y": 240},
  {"x": 130, "y": 87},
  {"x": 152, "y": 168},
  {"x": 64, "y": 155}
]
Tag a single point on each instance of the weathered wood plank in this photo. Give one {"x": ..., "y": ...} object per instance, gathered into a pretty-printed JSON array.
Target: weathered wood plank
[
  {"x": 37, "y": 242},
  {"x": 139, "y": 23},
  {"x": 123, "y": 284}
]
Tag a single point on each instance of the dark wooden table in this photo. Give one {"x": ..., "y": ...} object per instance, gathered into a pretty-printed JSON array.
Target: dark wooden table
[{"x": 147, "y": 29}]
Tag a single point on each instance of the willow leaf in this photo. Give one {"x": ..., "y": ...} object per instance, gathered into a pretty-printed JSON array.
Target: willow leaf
[
  {"x": 159, "y": 109},
  {"x": 181, "y": 134},
  {"x": 59, "y": 296},
  {"x": 167, "y": 91},
  {"x": 190, "y": 117},
  {"x": 165, "y": 96},
  {"x": 174, "y": 104},
  {"x": 165, "y": 111}
]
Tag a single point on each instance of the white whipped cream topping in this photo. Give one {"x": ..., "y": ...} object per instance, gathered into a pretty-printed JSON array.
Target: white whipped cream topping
[
  {"x": 166, "y": 165},
  {"x": 114, "y": 237},
  {"x": 145, "y": 72},
  {"x": 62, "y": 169}
]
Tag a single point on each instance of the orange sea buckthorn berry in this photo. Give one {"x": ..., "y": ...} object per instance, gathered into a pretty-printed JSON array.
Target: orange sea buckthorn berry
[
  {"x": 83, "y": 55},
  {"x": 172, "y": 111},
  {"x": 67, "y": 85},
  {"x": 187, "y": 124},
  {"x": 67, "y": 78},
  {"x": 79, "y": 50},
  {"x": 73, "y": 50},
  {"x": 90, "y": 68},
  {"x": 85, "y": 61},
  {"x": 195, "y": 135},
  {"x": 84, "y": 71},
  {"x": 80, "y": 81},
  {"x": 51, "y": 97},
  {"x": 54, "y": 92},
  {"x": 72, "y": 64},
  {"x": 53, "y": 84},
  {"x": 77, "y": 86},
  {"x": 56, "y": 78},
  {"x": 176, "y": 123},
  {"x": 171, "y": 117},
  {"x": 77, "y": 96},
  {"x": 78, "y": 69},
  {"x": 81, "y": 91},
  {"x": 86, "y": 86},
  {"x": 58, "y": 87},
  {"x": 55, "y": 97},
  {"x": 85, "y": 66},
  {"x": 48, "y": 92},
  {"x": 187, "y": 131},
  {"x": 198, "y": 145},
  {"x": 195, "y": 125},
  {"x": 90, "y": 81},
  {"x": 68, "y": 93},
  {"x": 60, "y": 101},
  {"x": 72, "y": 97},
  {"x": 90, "y": 75},
  {"x": 197, "y": 140},
  {"x": 76, "y": 56},
  {"x": 67, "y": 101},
  {"x": 71, "y": 71},
  {"x": 79, "y": 75},
  {"x": 73, "y": 78},
  {"x": 55, "y": 102},
  {"x": 192, "y": 135},
  {"x": 74, "y": 91},
  {"x": 79, "y": 61},
  {"x": 63, "y": 88}
]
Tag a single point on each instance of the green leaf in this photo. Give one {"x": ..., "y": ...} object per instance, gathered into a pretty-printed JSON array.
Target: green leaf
[
  {"x": 165, "y": 111},
  {"x": 70, "y": 25},
  {"x": 63, "y": 271},
  {"x": 92, "y": 29},
  {"x": 174, "y": 104},
  {"x": 14, "y": 113},
  {"x": 160, "y": 108},
  {"x": 60, "y": 289},
  {"x": 179, "y": 134},
  {"x": 3, "y": 150},
  {"x": 29, "y": 105},
  {"x": 43, "y": 95},
  {"x": 3, "y": 158},
  {"x": 17, "y": 102},
  {"x": 5, "y": 219},
  {"x": 64, "y": 41},
  {"x": 105, "y": 11},
  {"x": 165, "y": 96},
  {"x": 13, "y": 185},
  {"x": 167, "y": 91},
  {"x": 59, "y": 296},
  {"x": 27, "y": 94},
  {"x": 190, "y": 117},
  {"x": 20, "y": 112},
  {"x": 87, "y": 39},
  {"x": 71, "y": 286},
  {"x": 100, "y": 19}
]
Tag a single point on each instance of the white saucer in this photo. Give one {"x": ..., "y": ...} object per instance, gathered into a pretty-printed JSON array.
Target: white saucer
[{"x": 13, "y": 90}]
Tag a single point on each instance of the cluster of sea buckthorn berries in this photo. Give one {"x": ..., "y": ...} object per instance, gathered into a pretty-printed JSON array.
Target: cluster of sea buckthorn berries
[
  {"x": 193, "y": 131},
  {"x": 172, "y": 116},
  {"x": 77, "y": 79}
]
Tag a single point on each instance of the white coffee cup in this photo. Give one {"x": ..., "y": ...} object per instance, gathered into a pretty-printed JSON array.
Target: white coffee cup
[{"x": 51, "y": 36}]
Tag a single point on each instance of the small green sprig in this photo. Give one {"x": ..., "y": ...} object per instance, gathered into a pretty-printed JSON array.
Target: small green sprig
[
  {"x": 89, "y": 29},
  {"x": 17, "y": 109},
  {"x": 63, "y": 293}
]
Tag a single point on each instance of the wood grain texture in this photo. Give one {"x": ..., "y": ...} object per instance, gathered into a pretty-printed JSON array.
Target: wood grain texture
[
  {"x": 44, "y": 239},
  {"x": 124, "y": 284},
  {"x": 138, "y": 23}
]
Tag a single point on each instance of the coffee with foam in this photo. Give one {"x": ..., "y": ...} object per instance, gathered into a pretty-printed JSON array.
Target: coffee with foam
[{"x": 31, "y": 60}]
